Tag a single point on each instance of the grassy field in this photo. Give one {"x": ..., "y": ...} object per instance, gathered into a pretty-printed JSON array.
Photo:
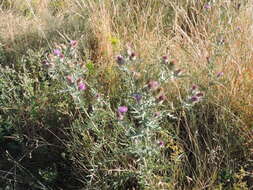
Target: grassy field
[{"x": 126, "y": 94}]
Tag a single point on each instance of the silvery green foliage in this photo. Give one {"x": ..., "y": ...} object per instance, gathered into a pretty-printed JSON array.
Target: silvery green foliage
[
  {"x": 64, "y": 64},
  {"x": 146, "y": 109}
]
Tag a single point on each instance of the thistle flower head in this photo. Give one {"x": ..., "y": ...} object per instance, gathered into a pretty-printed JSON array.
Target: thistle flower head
[
  {"x": 194, "y": 87},
  {"x": 121, "y": 112},
  {"x": 194, "y": 99},
  {"x": 200, "y": 94},
  {"x": 70, "y": 79},
  {"x": 207, "y": 6},
  {"x": 73, "y": 43},
  {"x": 120, "y": 60},
  {"x": 57, "y": 52},
  {"x": 137, "y": 97},
  {"x": 122, "y": 109},
  {"x": 161, "y": 98},
  {"x": 165, "y": 59},
  {"x": 82, "y": 86},
  {"x": 160, "y": 143},
  {"x": 153, "y": 85}
]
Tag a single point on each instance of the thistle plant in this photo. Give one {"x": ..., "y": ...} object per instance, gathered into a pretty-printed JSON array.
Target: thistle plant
[
  {"x": 64, "y": 64},
  {"x": 194, "y": 96},
  {"x": 142, "y": 108},
  {"x": 146, "y": 108}
]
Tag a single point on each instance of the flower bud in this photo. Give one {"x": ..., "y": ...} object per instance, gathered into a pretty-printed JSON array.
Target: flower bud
[
  {"x": 70, "y": 79},
  {"x": 73, "y": 43},
  {"x": 165, "y": 59},
  {"x": 153, "y": 85}
]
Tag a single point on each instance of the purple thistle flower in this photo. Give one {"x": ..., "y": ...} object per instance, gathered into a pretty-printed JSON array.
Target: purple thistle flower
[
  {"x": 194, "y": 99},
  {"x": 122, "y": 109},
  {"x": 137, "y": 97},
  {"x": 120, "y": 59},
  {"x": 165, "y": 57},
  {"x": 121, "y": 112},
  {"x": 199, "y": 94},
  {"x": 207, "y": 6},
  {"x": 57, "y": 52},
  {"x": 81, "y": 86},
  {"x": 73, "y": 43},
  {"x": 160, "y": 143}
]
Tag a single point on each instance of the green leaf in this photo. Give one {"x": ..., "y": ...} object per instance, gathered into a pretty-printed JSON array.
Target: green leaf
[{"x": 90, "y": 66}]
